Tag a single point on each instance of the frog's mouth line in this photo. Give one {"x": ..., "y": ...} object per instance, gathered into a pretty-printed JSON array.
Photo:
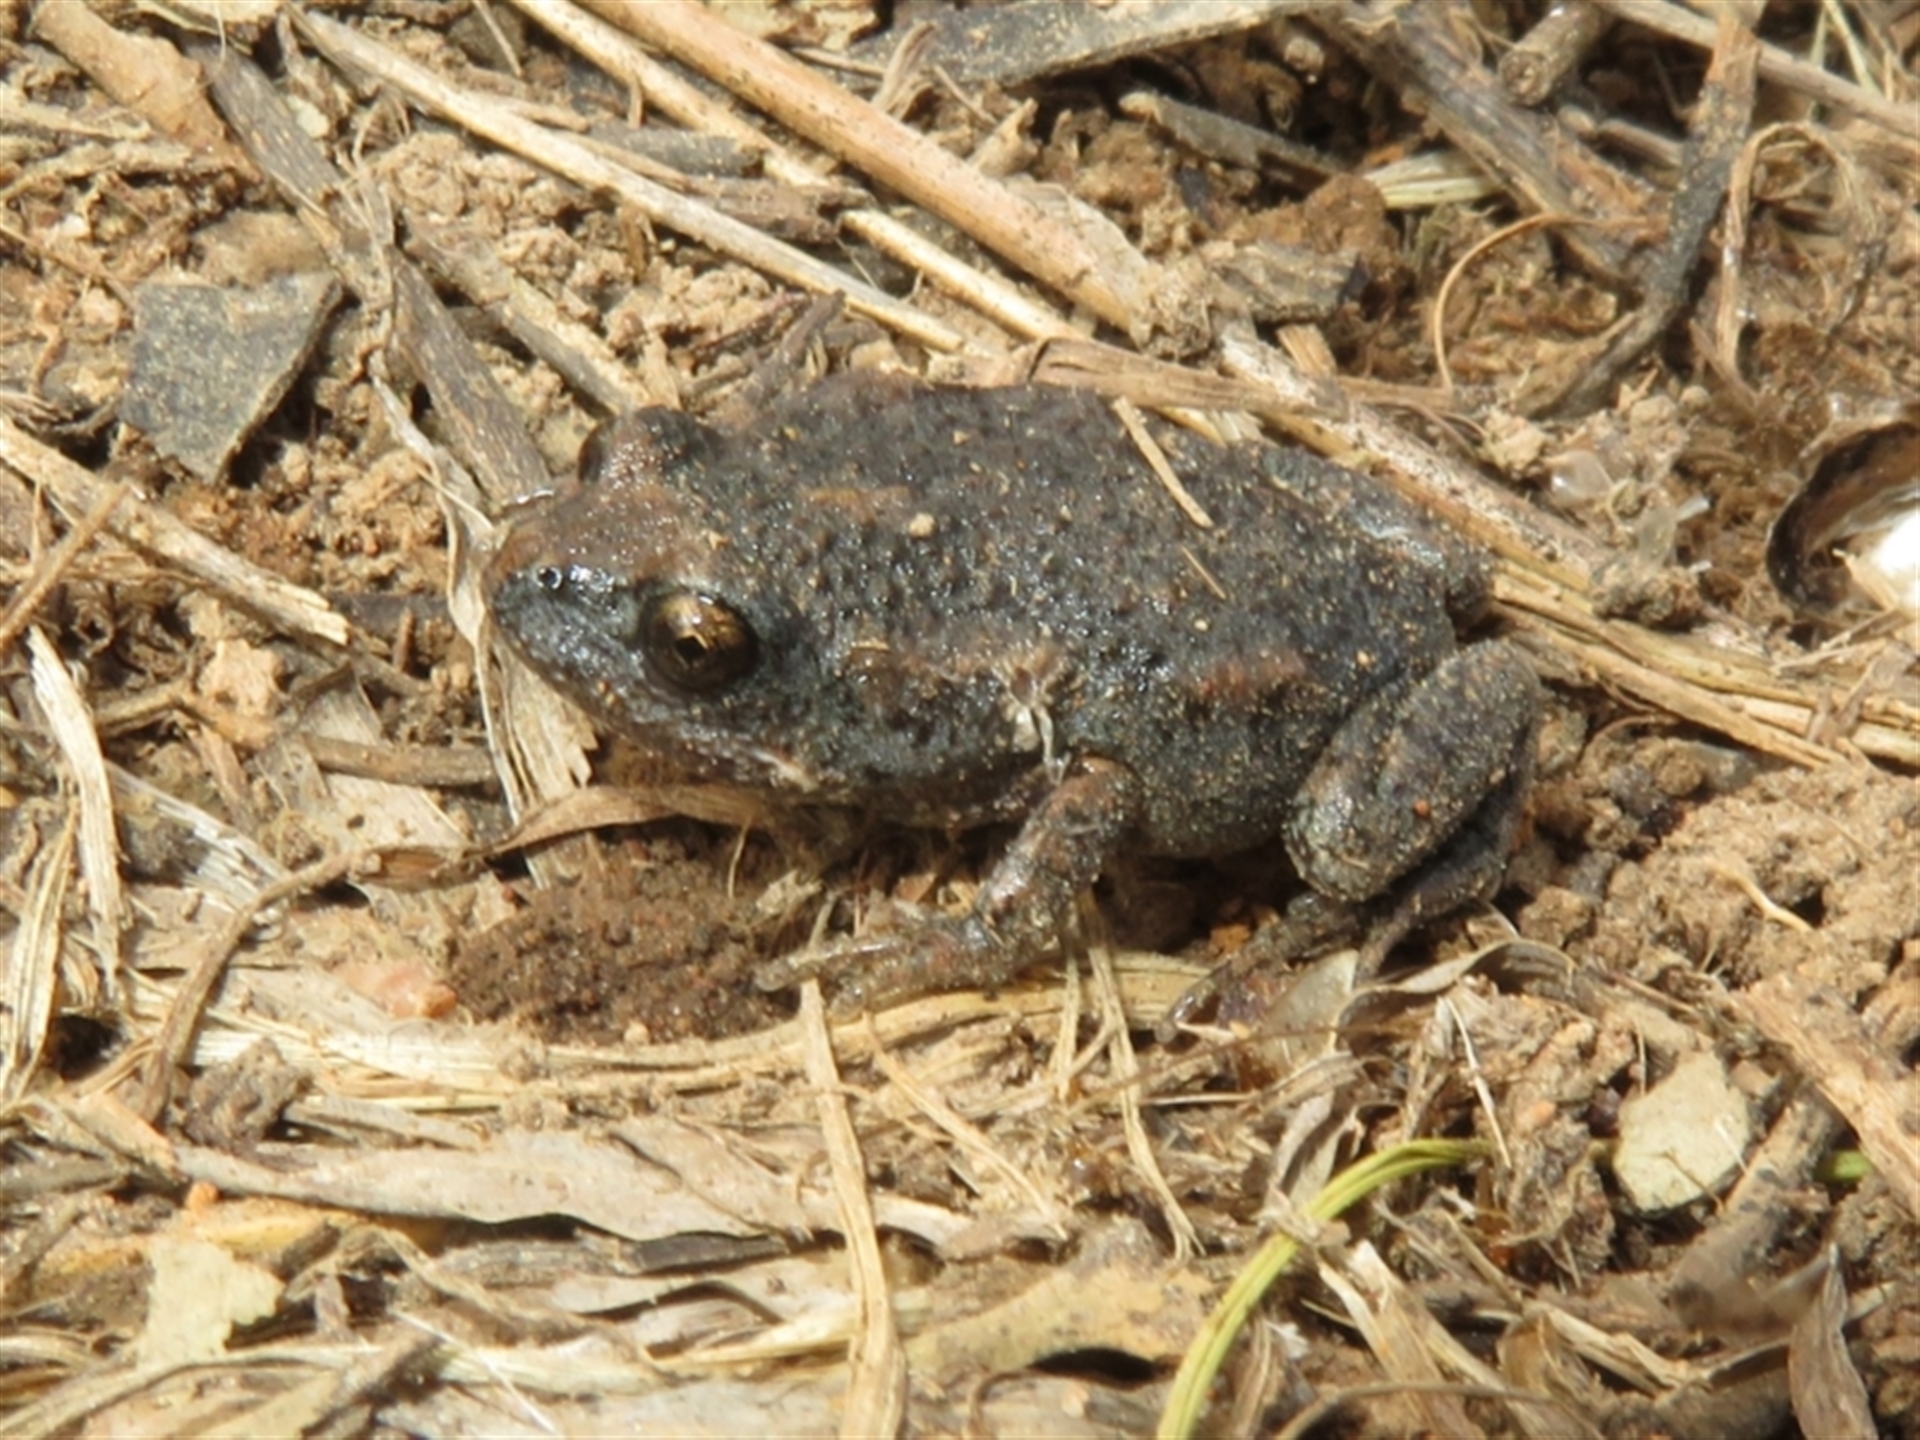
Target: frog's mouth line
[
  {"x": 721, "y": 761},
  {"x": 786, "y": 774}
]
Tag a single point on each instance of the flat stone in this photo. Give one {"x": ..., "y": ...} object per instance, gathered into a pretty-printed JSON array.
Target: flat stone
[
  {"x": 1683, "y": 1139},
  {"x": 209, "y": 364}
]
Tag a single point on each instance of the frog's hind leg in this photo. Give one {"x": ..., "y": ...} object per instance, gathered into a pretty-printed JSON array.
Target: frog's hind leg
[
  {"x": 1467, "y": 867},
  {"x": 1410, "y": 813},
  {"x": 1415, "y": 801}
]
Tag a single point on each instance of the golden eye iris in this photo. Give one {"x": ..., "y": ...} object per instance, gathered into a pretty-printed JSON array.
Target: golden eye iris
[{"x": 695, "y": 642}]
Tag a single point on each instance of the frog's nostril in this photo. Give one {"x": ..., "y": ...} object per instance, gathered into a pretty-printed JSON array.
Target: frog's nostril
[{"x": 550, "y": 578}]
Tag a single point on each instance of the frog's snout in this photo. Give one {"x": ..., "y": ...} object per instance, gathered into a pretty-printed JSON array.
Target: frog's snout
[{"x": 516, "y": 550}]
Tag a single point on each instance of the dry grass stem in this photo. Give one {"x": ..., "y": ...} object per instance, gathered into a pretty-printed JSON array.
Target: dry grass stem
[
  {"x": 147, "y": 527},
  {"x": 877, "y": 1370},
  {"x": 1894, "y": 114},
  {"x": 72, "y": 729},
  {"x": 879, "y": 145},
  {"x": 579, "y": 163}
]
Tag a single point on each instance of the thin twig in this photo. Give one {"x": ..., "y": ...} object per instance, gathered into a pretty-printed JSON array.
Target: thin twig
[
  {"x": 903, "y": 159},
  {"x": 622, "y": 57},
  {"x": 1719, "y": 129},
  {"x": 566, "y": 156},
  {"x": 148, "y": 527},
  {"x": 1533, "y": 69},
  {"x": 174, "y": 1043},
  {"x": 1901, "y": 118},
  {"x": 57, "y": 562}
]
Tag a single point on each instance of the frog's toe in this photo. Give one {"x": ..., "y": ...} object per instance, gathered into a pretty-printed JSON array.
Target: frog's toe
[
  {"x": 832, "y": 961},
  {"x": 933, "y": 953},
  {"x": 1312, "y": 925}
]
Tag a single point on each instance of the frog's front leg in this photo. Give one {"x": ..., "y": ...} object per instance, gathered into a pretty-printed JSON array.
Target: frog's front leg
[
  {"x": 1416, "y": 798},
  {"x": 1061, "y": 849}
]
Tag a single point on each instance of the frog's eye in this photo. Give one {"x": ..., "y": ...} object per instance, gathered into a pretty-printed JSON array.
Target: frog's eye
[{"x": 695, "y": 642}]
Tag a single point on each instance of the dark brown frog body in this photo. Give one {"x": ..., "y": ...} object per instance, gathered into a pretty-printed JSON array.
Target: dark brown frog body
[{"x": 948, "y": 606}]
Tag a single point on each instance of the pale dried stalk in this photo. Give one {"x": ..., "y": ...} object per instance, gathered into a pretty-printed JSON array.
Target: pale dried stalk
[
  {"x": 1126, "y": 1075},
  {"x": 1560, "y": 626},
  {"x": 1380, "y": 1311},
  {"x": 1050, "y": 1210},
  {"x": 1319, "y": 413},
  {"x": 620, "y": 56},
  {"x": 896, "y": 156},
  {"x": 876, "y": 1365},
  {"x": 990, "y": 295},
  {"x": 33, "y": 962},
  {"x": 1880, "y": 740},
  {"x": 147, "y": 527},
  {"x": 567, "y": 157},
  {"x": 99, "y": 845},
  {"x": 1741, "y": 695},
  {"x": 1548, "y": 570},
  {"x": 145, "y": 74},
  {"x": 1777, "y": 66}
]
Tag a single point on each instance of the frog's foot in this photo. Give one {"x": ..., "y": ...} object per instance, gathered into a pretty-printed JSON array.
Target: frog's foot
[
  {"x": 1311, "y": 925},
  {"x": 1015, "y": 918},
  {"x": 928, "y": 953}
]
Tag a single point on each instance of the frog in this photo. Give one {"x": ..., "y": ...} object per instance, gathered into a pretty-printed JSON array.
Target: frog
[{"x": 944, "y": 606}]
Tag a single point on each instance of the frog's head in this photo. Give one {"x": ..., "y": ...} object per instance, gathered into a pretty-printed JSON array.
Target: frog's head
[{"x": 626, "y": 602}]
